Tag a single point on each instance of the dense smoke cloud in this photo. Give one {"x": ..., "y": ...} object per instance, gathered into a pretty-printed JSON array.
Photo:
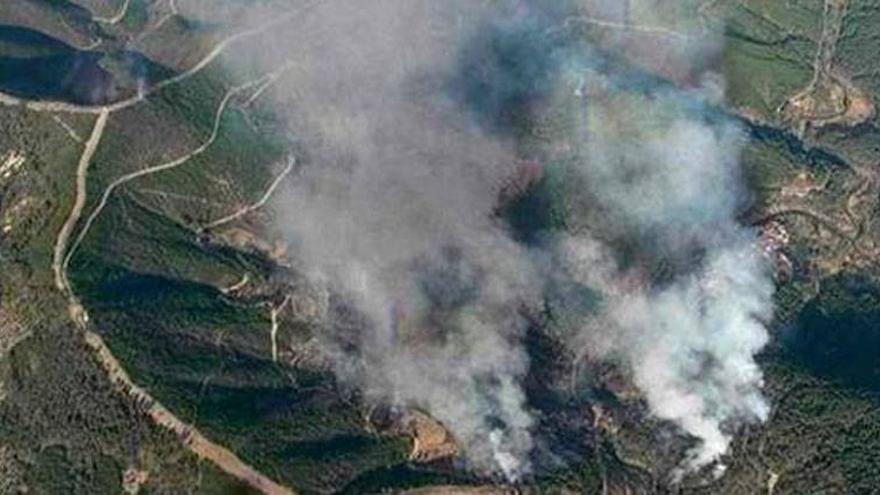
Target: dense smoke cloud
[
  {"x": 666, "y": 180},
  {"x": 395, "y": 213},
  {"x": 411, "y": 113},
  {"x": 658, "y": 168}
]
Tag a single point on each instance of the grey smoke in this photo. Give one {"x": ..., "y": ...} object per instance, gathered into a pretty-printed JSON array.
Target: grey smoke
[
  {"x": 659, "y": 169},
  {"x": 395, "y": 213},
  {"x": 410, "y": 112}
]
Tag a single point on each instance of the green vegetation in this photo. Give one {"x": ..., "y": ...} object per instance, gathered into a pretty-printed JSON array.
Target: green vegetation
[
  {"x": 26, "y": 43},
  {"x": 773, "y": 158},
  {"x": 64, "y": 428},
  {"x": 538, "y": 210},
  {"x": 206, "y": 357},
  {"x": 137, "y": 15},
  {"x": 151, "y": 283},
  {"x": 838, "y": 333},
  {"x": 131, "y": 237},
  {"x": 35, "y": 197},
  {"x": 769, "y": 52},
  {"x": 857, "y": 47},
  {"x": 819, "y": 439},
  {"x": 822, "y": 379},
  {"x": 72, "y": 432},
  {"x": 234, "y": 170}
]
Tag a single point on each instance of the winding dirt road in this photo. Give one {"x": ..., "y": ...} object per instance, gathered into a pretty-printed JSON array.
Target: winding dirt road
[
  {"x": 123, "y": 9},
  {"x": 255, "y": 206},
  {"x": 105, "y": 197},
  {"x": 189, "y": 435},
  {"x": 61, "y": 106},
  {"x": 58, "y": 260}
]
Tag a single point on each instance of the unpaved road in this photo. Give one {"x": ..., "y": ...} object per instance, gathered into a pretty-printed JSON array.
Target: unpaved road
[
  {"x": 255, "y": 206},
  {"x": 116, "y": 18},
  {"x": 151, "y": 170},
  {"x": 61, "y": 106},
  {"x": 273, "y": 331},
  {"x": 191, "y": 437},
  {"x": 105, "y": 197},
  {"x": 58, "y": 259}
]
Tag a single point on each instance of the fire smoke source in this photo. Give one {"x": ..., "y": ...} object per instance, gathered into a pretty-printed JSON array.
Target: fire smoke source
[
  {"x": 658, "y": 167},
  {"x": 410, "y": 113},
  {"x": 395, "y": 213}
]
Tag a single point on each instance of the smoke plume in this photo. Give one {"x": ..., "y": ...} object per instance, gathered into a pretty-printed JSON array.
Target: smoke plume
[
  {"x": 412, "y": 116},
  {"x": 666, "y": 183},
  {"x": 395, "y": 214},
  {"x": 685, "y": 289}
]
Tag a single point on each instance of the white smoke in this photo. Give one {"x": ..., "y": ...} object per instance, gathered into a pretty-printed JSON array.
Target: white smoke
[
  {"x": 397, "y": 211},
  {"x": 666, "y": 180},
  {"x": 690, "y": 344}
]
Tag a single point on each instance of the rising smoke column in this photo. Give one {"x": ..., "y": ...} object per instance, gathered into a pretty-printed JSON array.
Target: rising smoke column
[
  {"x": 653, "y": 186},
  {"x": 394, "y": 212},
  {"x": 658, "y": 167},
  {"x": 409, "y": 112}
]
